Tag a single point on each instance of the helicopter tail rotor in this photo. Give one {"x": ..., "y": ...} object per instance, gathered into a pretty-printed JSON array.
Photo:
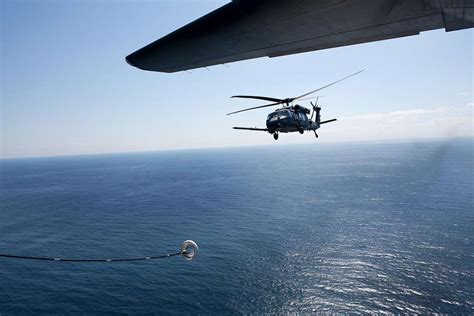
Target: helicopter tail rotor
[{"x": 316, "y": 109}]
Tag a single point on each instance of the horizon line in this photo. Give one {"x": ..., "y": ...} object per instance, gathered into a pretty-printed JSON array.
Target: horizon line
[{"x": 373, "y": 141}]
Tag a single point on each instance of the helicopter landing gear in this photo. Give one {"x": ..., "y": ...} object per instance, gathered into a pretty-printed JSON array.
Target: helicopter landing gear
[
  {"x": 275, "y": 136},
  {"x": 315, "y": 134}
]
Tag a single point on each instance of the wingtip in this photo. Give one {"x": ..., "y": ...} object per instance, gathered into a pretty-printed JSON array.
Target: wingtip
[{"x": 128, "y": 60}]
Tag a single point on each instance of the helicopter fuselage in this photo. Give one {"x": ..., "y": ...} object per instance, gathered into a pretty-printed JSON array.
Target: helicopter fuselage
[{"x": 290, "y": 119}]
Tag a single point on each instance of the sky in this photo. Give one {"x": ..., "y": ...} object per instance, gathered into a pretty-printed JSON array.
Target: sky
[{"x": 66, "y": 88}]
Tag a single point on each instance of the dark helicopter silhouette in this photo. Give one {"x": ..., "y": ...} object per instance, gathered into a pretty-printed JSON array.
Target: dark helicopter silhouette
[{"x": 289, "y": 118}]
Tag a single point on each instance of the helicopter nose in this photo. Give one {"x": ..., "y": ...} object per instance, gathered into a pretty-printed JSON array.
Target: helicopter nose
[{"x": 273, "y": 125}]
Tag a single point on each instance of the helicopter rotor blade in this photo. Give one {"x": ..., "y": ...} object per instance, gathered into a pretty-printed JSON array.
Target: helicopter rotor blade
[
  {"x": 311, "y": 92},
  {"x": 282, "y": 101},
  {"x": 256, "y": 107},
  {"x": 310, "y": 98},
  {"x": 258, "y": 97}
]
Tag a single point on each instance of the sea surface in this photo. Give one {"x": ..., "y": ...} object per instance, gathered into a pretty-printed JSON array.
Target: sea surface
[{"x": 363, "y": 227}]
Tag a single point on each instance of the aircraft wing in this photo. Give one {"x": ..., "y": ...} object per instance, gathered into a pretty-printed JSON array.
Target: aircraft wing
[{"x": 245, "y": 29}]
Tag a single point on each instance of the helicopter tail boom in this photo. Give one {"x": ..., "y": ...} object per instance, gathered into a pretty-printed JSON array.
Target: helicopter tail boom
[{"x": 328, "y": 121}]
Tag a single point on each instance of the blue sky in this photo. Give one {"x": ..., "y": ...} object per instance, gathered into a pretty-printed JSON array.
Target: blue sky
[{"x": 66, "y": 89}]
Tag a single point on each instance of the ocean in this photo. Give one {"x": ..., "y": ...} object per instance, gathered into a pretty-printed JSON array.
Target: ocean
[{"x": 356, "y": 227}]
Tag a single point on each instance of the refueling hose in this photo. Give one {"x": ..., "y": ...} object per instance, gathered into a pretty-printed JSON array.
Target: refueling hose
[{"x": 189, "y": 250}]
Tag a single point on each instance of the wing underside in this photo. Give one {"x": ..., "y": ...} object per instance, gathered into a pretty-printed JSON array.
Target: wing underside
[{"x": 245, "y": 29}]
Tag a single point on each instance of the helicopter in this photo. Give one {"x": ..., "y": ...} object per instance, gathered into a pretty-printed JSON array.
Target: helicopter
[{"x": 290, "y": 118}]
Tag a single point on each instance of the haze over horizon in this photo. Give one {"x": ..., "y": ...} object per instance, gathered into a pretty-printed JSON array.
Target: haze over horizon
[{"x": 66, "y": 89}]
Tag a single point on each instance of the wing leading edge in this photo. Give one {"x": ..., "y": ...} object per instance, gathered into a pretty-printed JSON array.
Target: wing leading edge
[{"x": 245, "y": 29}]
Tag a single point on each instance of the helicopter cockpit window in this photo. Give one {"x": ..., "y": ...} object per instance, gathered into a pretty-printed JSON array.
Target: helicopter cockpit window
[{"x": 273, "y": 117}]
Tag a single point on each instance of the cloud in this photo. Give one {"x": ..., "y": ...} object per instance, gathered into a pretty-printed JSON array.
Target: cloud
[
  {"x": 394, "y": 114},
  {"x": 435, "y": 122}
]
